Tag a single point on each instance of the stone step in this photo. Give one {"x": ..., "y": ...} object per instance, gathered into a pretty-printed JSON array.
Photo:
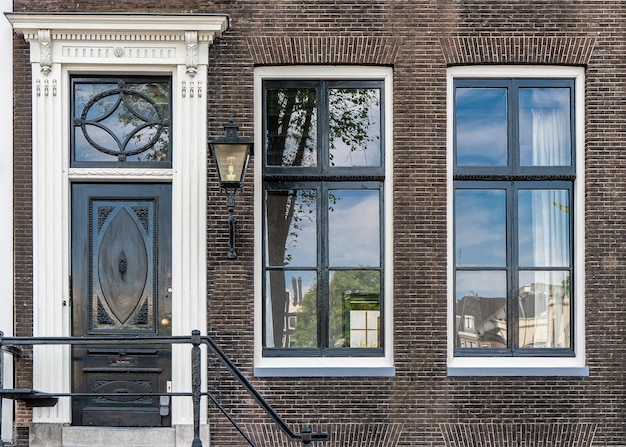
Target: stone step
[
  {"x": 118, "y": 437},
  {"x": 59, "y": 435}
]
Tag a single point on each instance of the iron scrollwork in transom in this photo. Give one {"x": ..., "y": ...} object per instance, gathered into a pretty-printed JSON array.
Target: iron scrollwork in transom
[{"x": 118, "y": 121}]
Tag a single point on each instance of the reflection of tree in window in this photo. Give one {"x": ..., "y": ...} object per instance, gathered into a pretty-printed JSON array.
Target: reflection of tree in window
[
  {"x": 351, "y": 293},
  {"x": 292, "y": 134}
]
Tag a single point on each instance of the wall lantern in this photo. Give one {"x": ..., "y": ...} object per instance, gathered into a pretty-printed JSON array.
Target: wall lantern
[{"x": 231, "y": 155}]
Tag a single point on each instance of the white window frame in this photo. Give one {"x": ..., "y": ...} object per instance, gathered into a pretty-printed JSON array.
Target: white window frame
[
  {"x": 323, "y": 366},
  {"x": 62, "y": 45},
  {"x": 518, "y": 366}
]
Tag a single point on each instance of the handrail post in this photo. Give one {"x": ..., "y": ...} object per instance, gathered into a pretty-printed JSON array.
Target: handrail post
[
  {"x": 195, "y": 386},
  {"x": 307, "y": 436}
]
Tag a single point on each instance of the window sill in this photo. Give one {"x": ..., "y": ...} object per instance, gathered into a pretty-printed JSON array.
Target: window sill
[
  {"x": 324, "y": 367},
  {"x": 519, "y": 372},
  {"x": 517, "y": 367},
  {"x": 339, "y": 371}
]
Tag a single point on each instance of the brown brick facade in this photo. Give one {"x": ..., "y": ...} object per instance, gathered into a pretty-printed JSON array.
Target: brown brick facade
[{"x": 421, "y": 405}]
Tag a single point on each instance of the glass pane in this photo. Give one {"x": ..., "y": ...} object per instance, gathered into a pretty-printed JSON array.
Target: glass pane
[
  {"x": 121, "y": 121},
  {"x": 291, "y": 127},
  {"x": 291, "y": 309},
  {"x": 291, "y": 228},
  {"x": 354, "y": 127},
  {"x": 544, "y": 309},
  {"x": 481, "y": 126},
  {"x": 480, "y": 309},
  {"x": 354, "y": 228},
  {"x": 480, "y": 227},
  {"x": 544, "y": 127},
  {"x": 355, "y": 309},
  {"x": 544, "y": 236}
]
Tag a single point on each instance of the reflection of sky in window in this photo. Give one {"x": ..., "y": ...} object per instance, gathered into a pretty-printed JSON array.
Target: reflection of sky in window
[
  {"x": 480, "y": 227},
  {"x": 353, "y": 227},
  {"x": 553, "y": 104},
  {"x": 482, "y": 283},
  {"x": 481, "y": 126},
  {"x": 543, "y": 228},
  {"x": 359, "y": 145}
]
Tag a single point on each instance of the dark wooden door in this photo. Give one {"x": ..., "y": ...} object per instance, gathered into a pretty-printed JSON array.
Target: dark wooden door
[{"x": 121, "y": 283}]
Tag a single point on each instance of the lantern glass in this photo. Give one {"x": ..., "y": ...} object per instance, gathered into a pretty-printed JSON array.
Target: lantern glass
[{"x": 231, "y": 162}]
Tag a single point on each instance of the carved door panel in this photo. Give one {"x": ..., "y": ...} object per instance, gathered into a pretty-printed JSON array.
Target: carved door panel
[{"x": 121, "y": 279}]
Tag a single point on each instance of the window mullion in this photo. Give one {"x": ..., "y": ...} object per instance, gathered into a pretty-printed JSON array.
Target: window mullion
[
  {"x": 323, "y": 270},
  {"x": 323, "y": 127},
  {"x": 513, "y": 128},
  {"x": 513, "y": 267}
]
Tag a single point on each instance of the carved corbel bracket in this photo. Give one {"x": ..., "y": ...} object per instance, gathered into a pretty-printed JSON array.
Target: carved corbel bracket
[
  {"x": 191, "y": 57},
  {"x": 45, "y": 50}
]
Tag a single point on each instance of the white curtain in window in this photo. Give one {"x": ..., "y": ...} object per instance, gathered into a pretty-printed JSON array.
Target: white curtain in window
[{"x": 550, "y": 209}]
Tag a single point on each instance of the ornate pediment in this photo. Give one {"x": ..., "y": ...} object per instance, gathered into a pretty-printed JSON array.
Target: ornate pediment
[{"x": 119, "y": 38}]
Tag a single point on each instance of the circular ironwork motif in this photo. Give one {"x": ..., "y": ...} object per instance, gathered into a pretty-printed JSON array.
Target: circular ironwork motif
[{"x": 131, "y": 119}]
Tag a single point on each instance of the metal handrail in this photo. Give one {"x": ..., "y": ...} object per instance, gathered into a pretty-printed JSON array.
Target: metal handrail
[{"x": 11, "y": 346}]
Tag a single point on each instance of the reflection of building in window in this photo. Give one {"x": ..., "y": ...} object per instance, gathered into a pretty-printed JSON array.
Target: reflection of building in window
[
  {"x": 481, "y": 322},
  {"x": 292, "y": 307},
  {"x": 361, "y": 320},
  {"x": 513, "y": 191},
  {"x": 323, "y": 214},
  {"x": 544, "y": 316},
  {"x": 364, "y": 329}
]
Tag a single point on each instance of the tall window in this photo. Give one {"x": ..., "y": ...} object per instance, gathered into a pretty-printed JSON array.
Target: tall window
[
  {"x": 323, "y": 218},
  {"x": 513, "y": 192}
]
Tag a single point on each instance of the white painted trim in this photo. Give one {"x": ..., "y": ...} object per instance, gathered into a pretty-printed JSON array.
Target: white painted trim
[
  {"x": 524, "y": 366},
  {"x": 6, "y": 213},
  {"x": 52, "y": 65},
  {"x": 273, "y": 366}
]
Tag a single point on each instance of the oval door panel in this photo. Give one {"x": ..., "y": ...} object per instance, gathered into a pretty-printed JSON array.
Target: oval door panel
[{"x": 123, "y": 265}]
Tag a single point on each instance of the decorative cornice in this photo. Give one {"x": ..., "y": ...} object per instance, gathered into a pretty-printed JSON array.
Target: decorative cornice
[
  {"x": 119, "y": 38},
  {"x": 119, "y": 26}
]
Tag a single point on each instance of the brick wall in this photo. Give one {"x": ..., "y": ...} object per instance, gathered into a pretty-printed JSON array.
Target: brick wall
[{"x": 420, "y": 39}]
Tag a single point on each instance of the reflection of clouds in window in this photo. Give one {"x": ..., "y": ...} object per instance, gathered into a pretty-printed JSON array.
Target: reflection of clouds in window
[
  {"x": 480, "y": 227},
  {"x": 481, "y": 127},
  {"x": 481, "y": 283},
  {"x": 354, "y": 233}
]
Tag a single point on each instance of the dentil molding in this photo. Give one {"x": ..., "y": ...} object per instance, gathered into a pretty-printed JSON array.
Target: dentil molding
[{"x": 119, "y": 38}]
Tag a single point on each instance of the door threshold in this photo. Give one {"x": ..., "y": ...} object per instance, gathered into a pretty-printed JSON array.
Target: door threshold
[{"x": 62, "y": 435}]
